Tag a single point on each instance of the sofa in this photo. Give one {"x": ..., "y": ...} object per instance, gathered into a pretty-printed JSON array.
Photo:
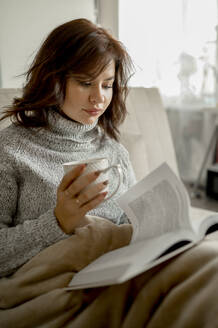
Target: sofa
[{"x": 181, "y": 292}]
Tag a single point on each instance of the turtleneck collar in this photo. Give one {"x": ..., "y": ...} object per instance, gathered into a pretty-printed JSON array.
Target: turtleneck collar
[
  {"x": 69, "y": 128},
  {"x": 63, "y": 130}
]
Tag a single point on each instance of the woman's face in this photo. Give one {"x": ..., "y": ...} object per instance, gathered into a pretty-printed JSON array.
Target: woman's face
[{"x": 87, "y": 99}]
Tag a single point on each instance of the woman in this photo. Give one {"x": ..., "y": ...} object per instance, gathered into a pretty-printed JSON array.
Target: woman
[{"x": 70, "y": 109}]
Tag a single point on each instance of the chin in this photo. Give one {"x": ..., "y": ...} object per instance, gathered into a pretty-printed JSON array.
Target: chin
[
  {"x": 88, "y": 121},
  {"x": 84, "y": 121},
  {"x": 91, "y": 121}
]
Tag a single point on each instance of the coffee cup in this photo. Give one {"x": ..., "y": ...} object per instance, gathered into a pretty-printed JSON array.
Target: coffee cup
[{"x": 97, "y": 164}]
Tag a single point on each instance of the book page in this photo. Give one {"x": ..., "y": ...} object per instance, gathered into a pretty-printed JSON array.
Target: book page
[
  {"x": 124, "y": 263},
  {"x": 202, "y": 220},
  {"x": 156, "y": 205},
  {"x": 158, "y": 208}
]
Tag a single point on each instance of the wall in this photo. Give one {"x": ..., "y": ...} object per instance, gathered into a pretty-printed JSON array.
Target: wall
[
  {"x": 23, "y": 26},
  {"x": 108, "y": 15}
]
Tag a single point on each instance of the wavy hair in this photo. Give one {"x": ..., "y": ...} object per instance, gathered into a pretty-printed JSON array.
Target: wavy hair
[{"x": 75, "y": 47}]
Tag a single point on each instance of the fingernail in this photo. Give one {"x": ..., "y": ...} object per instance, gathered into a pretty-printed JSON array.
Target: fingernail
[{"x": 105, "y": 182}]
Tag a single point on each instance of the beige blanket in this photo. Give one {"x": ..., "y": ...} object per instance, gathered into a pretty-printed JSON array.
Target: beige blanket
[{"x": 180, "y": 293}]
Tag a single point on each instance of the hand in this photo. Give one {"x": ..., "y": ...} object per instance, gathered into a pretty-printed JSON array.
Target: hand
[{"x": 75, "y": 197}]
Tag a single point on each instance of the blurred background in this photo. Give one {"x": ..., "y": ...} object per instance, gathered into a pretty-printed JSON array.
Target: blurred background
[{"x": 173, "y": 44}]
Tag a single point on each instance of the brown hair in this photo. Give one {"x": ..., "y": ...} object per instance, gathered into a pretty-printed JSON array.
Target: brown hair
[{"x": 75, "y": 47}]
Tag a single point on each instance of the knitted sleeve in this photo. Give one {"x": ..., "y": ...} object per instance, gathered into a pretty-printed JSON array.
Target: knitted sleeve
[{"x": 20, "y": 243}]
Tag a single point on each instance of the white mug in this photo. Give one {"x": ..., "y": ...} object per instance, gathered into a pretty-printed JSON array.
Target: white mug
[{"x": 97, "y": 164}]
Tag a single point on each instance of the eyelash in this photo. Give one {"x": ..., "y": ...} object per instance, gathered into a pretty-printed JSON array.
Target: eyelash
[{"x": 88, "y": 84}]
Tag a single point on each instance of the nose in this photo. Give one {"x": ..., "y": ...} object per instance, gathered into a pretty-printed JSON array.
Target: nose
[{"x": 96, "y": 96}]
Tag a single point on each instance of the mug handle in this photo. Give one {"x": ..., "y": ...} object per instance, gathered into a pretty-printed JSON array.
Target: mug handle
[{"x": 120, "y": 175}]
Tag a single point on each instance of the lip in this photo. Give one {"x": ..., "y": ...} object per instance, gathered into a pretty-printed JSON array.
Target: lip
[{"x": 93, "y": 111}]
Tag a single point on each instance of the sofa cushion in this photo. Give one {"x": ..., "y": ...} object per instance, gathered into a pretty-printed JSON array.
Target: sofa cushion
[
  {"x": 146, "y": 132},
  {"x": 137, "y": 152}
]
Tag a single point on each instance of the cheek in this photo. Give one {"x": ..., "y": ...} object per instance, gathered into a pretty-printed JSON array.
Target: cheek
[
  {"x": 68, "y": 95},
  {"x": 74, "y": 96},
  {"x": 109, "y": 98}
]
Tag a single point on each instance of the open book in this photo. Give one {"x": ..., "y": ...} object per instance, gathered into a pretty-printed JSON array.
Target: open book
[{"x": 164, "y": 225}]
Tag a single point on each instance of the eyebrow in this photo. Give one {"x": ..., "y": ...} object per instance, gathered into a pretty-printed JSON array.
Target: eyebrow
[
  {"x": 110, "y": 78},
  {"x": 87, "y": 77}
]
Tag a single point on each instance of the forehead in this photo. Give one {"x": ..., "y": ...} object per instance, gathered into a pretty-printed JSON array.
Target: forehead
[
  {"x": 108, "y": 72},
  {"x": 109, "y": 69}
]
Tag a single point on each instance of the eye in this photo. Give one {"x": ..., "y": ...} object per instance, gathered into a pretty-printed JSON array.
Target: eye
[
  {"x": 108, "y": 86},
  {"x": 84, "y": 83}
]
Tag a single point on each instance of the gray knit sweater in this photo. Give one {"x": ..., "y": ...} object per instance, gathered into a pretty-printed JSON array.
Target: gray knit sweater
[{"x": 30, "y": 171}]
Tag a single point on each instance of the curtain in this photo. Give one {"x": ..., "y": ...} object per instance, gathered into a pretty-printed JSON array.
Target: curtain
[{"x": 173, "y": 45}]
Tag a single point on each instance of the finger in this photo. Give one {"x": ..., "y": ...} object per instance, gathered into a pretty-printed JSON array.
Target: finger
[
  {"x": 81, "y": 182},
  {"x": 93, "y": 203},
  {"x": 71, "y": 176},
  {"x": 91, "y": 192}
]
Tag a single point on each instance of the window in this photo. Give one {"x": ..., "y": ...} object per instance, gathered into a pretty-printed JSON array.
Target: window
[{"x": 173, "y": 45}]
